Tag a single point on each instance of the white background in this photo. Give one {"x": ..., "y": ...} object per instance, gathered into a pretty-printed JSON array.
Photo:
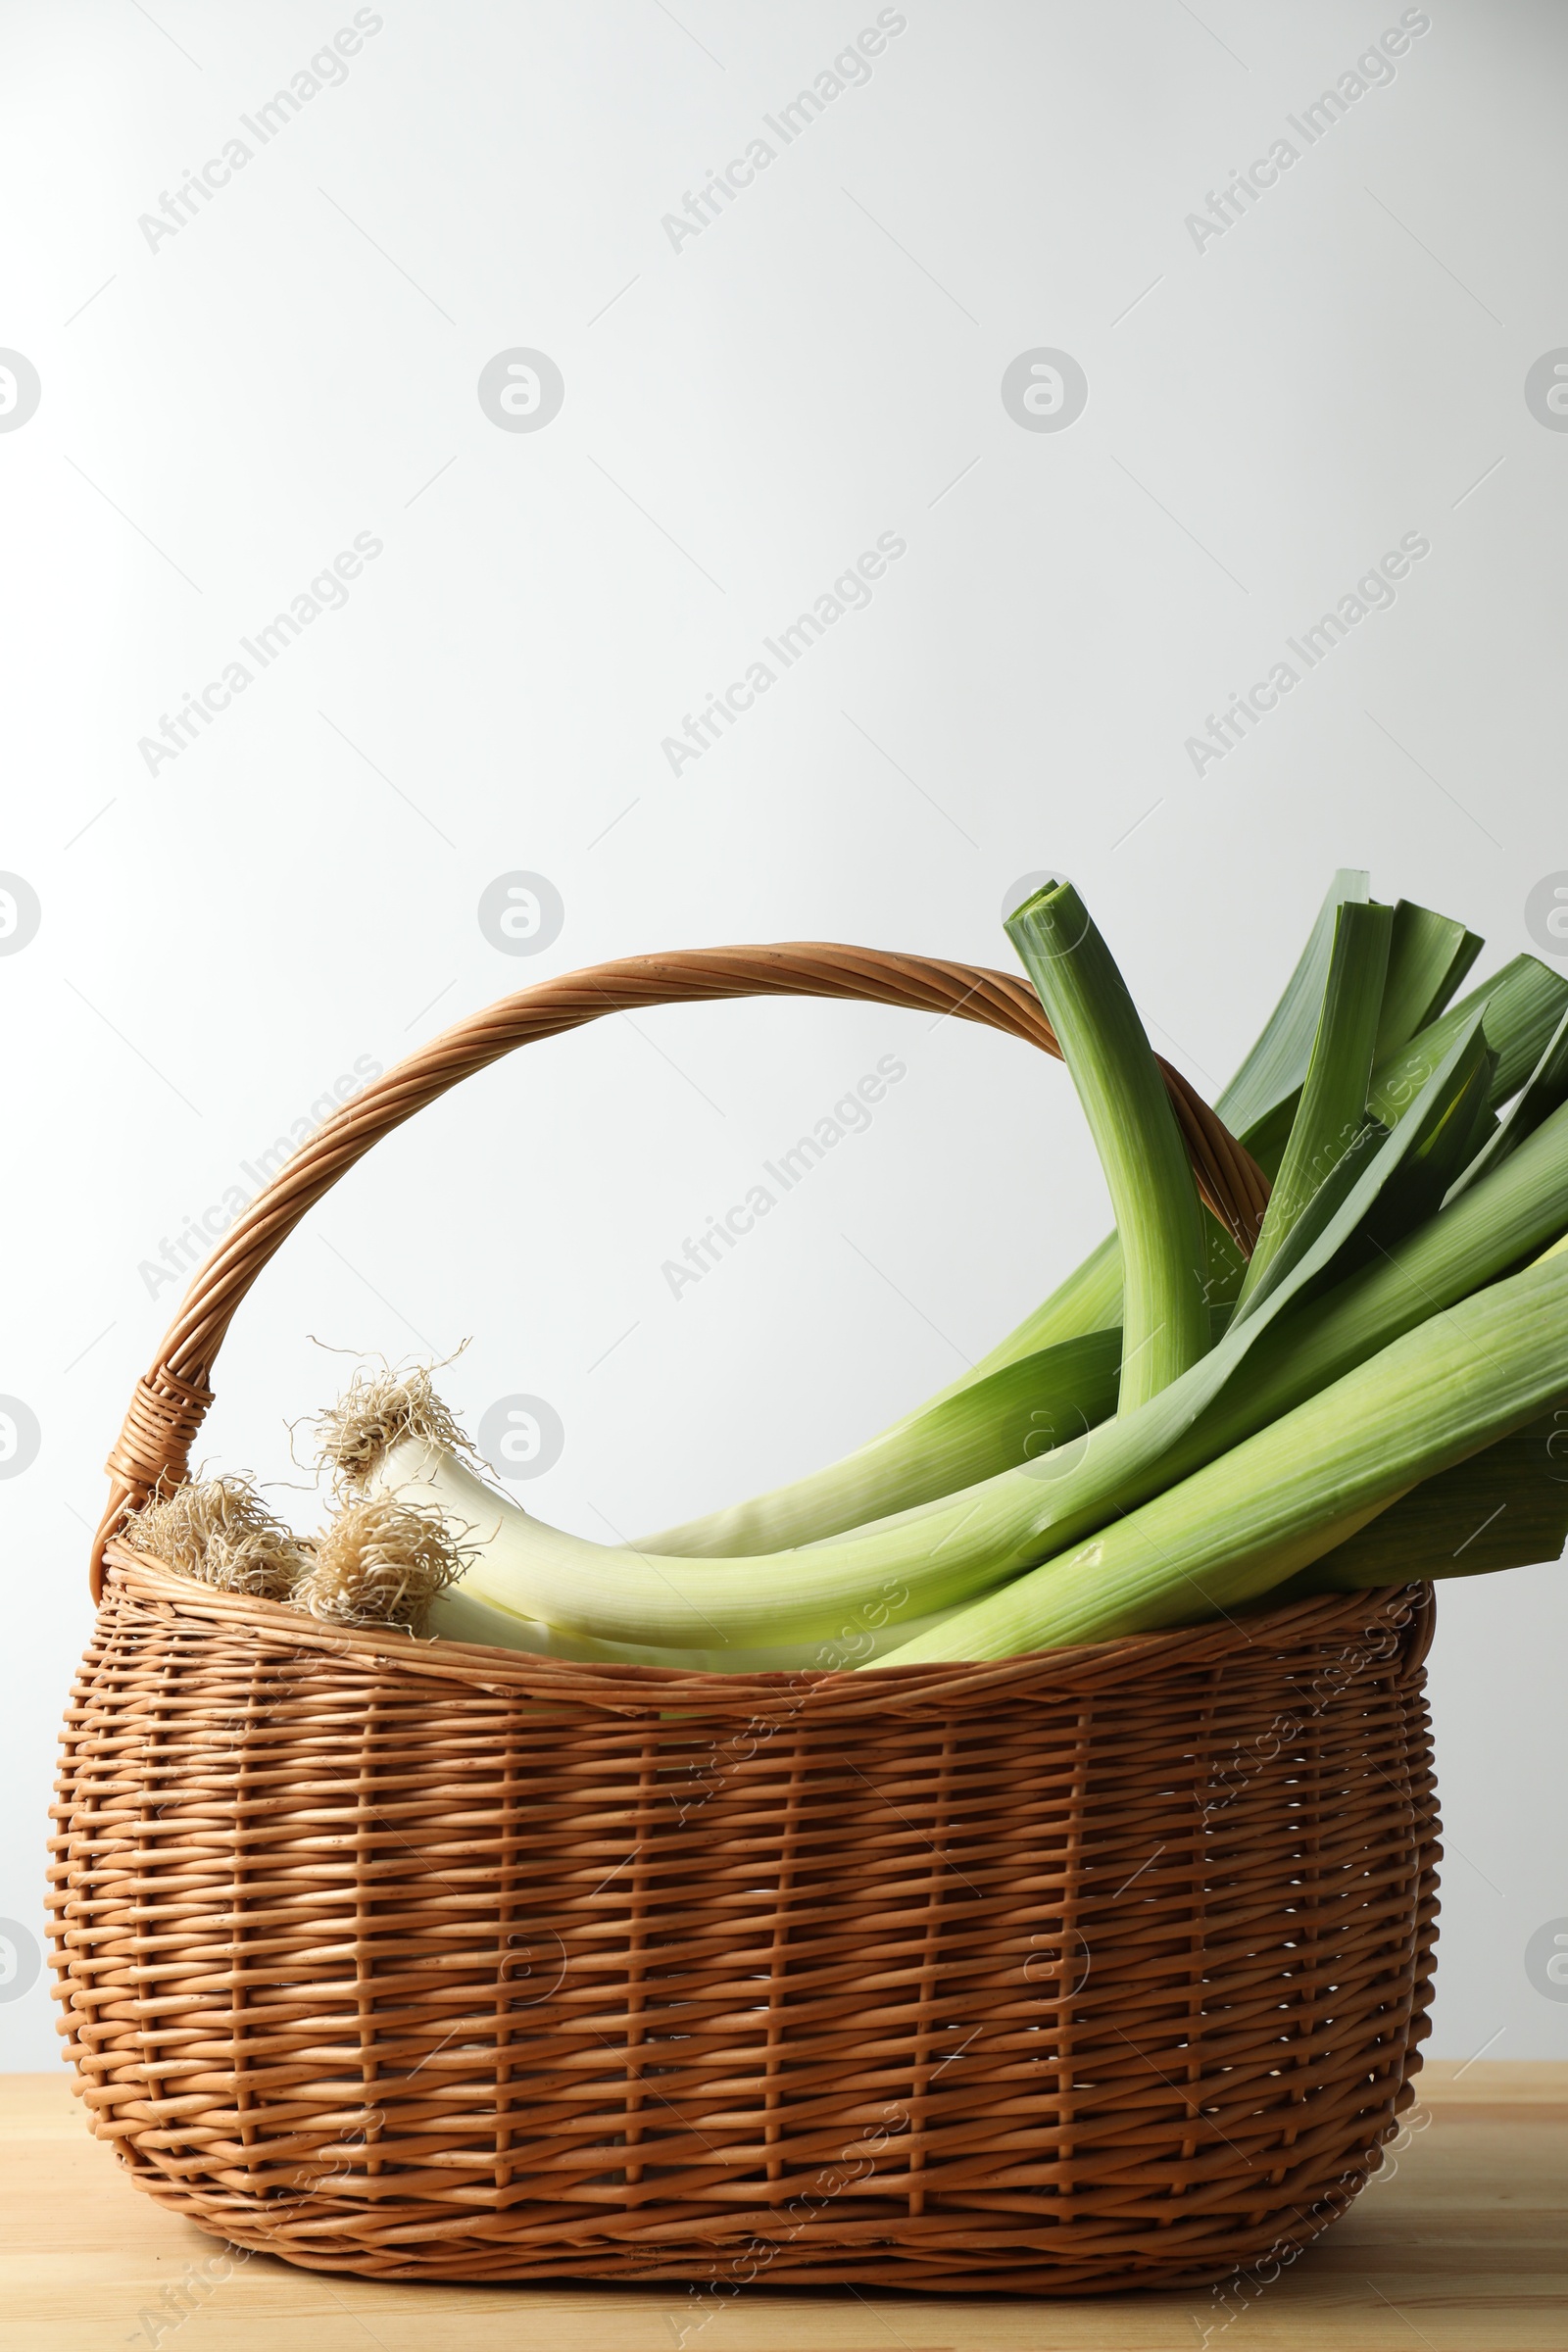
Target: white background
[{"x": 220, "y": 941}]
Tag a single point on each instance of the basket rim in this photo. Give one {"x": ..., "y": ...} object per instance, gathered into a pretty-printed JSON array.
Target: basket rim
[{"x": 1075, "y": 1671}]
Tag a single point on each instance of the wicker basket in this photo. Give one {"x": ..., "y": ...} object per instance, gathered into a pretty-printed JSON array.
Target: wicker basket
[{"x": 1076, "y": 1971}]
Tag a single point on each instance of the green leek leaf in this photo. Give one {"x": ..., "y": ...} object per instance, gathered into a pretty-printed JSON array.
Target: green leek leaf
[
  {"x": 1428, "y": 955},
  {"x": 1333, "y": 1106},
  {"x": 1544, "y": 1090},
  {"x": 1309, "y": 1481},
  {"x": 1505, "y": 1507},
  {"x": 1153, "y": 1190},
  {"x": 1274, "y": 1070},
  {"x": 1521, "y": 1006}
]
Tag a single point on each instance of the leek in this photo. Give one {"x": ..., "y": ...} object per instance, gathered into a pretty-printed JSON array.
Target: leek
[
  {"x": 529, "y": 1574},
  {"x": 1158, "y": 1217},
  {"x": 1333, "y": 1104}
]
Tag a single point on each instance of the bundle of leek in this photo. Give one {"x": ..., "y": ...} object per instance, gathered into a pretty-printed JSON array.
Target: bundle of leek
[{"x": 1175, "y": 1431}]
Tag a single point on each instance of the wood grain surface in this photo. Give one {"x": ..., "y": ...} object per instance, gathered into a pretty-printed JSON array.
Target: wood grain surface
[{"x": 1461, "y": 2245}]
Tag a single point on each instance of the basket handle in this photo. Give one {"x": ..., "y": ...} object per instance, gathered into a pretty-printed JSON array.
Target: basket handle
[{"x": 171, "y": 1400}]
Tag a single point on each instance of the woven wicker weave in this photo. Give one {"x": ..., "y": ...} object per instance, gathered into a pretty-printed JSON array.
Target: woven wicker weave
[{"x": 1050, "y": 1975}]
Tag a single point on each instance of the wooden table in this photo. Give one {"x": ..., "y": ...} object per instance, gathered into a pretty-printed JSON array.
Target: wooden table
[{"x": 1463, "y": 2249}]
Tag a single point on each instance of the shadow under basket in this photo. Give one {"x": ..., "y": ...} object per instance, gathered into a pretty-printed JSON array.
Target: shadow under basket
[
  {"x": 1095, "y": 1969},
  {"x": 1080, "y": 1971}
]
